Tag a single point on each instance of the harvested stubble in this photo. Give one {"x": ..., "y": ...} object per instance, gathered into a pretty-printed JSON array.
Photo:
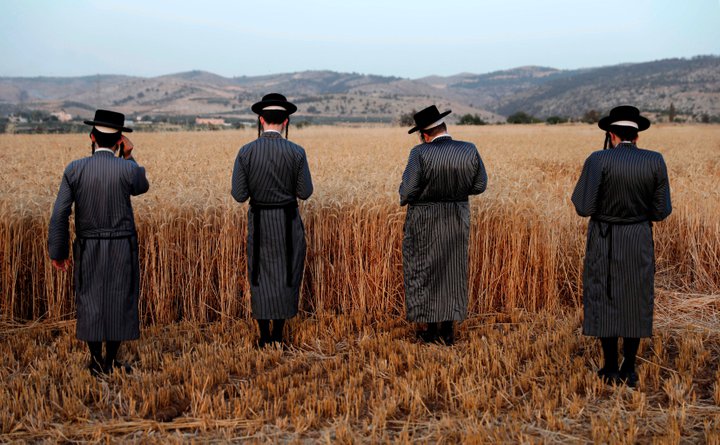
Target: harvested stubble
[
  {"x": 360, "y": 376},
  {"x": 516, "y": 377}
]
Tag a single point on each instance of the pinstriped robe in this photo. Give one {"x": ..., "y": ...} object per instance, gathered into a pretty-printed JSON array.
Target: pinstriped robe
[
  {"x": 623, "y": 190},
  {"x": 273, "y": 170},
  {"x": 435, "y": 185},
  {"x": 105, "y": 251}
]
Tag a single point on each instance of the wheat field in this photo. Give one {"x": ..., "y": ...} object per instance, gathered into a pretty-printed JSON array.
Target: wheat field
[{"x": 353, "y": 372}]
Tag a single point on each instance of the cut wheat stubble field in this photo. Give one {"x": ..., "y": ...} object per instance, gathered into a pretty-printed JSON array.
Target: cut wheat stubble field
[{"x": 353, "y": 371}]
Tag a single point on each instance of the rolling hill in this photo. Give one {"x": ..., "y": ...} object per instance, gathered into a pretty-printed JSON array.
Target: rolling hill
[{"x": 691, "y": 85}]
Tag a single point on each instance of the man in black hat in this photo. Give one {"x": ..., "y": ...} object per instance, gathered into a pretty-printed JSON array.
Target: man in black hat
[
  {"x": 105, "y": 251},
  {"x": 273, "y": 172},
  {"x": 440, "y": 174},
  {"x": 623, "y": 189}
]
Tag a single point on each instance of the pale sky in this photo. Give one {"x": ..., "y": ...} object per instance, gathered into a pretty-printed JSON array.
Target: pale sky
[{"x": 399, "y": 38}]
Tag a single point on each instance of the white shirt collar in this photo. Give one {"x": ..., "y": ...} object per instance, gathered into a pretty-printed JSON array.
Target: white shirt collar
[
  {"x": 271, "y": 131},
  {"x": 440, "y": 136},
  {"x": 104, "y": 149}
]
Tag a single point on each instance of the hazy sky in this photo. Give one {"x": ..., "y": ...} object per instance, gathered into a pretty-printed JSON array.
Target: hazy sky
[{"x": 402, "y": 38}]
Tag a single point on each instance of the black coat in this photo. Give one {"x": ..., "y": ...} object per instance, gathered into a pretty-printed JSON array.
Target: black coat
[
  {"x": 273, "y": 172},
  {"x": 623, "y": 190},
  {"x": 435, "y": 186},
  {"x": 107, "y": 276}
]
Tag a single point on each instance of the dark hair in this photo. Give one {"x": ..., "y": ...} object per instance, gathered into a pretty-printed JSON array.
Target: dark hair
[
  {"x": 436, "y": 130},
  {"x": 106, "y": 140},
  {"x": 275, "y": 117},
  {"x": 623, "y": 132}
]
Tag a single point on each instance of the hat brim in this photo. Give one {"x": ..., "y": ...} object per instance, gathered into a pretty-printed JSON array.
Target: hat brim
[
  {"x": 642, "y": 122},
  {"x": 440, "y": 116},
  {"x": 258, "y": 107},
  {"x": 109, "y": 125}
]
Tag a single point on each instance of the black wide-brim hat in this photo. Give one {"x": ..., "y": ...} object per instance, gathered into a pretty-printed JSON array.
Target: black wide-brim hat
[
  {"x": 274, "y": 102},
  {"x": 110, "y": 119},
  {"x": 426, "y": 117},
  {"x": 624, "y": 115}
]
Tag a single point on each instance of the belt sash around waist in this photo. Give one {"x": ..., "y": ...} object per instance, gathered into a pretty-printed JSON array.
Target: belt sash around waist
[
  {"x": 105, "y": 234},
  {"x": 611, "y": 221},
  {"x": 440, "y": 201},
  {"x": 99, "y": 234},
  {"x": 290, "y": 211}
]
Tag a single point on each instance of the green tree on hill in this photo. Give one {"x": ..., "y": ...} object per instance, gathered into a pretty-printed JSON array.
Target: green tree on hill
[
  {"x": 471, "y": 119},
  {"x": 521, "y": 117},
  {"x": 591, "y": 117},
  {"x": 554, "y": 120},
  {"x": 406, "y": 119}
]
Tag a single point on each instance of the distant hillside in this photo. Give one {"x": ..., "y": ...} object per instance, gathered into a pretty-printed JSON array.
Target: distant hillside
[
  {"x": 691, "y": 85},
  {"x": 322, "y": 96},
  {"x": 488, "y": 89}
]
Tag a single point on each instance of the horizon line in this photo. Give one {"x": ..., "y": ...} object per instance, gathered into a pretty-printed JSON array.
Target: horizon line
[{"x": 197, "y": 70}]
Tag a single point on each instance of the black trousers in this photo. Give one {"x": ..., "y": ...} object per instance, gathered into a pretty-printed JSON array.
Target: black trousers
[
  {"x": 111, "y": 350},
  {"x": 277, "y": 329},
  {"x": 610, "y": 353}
]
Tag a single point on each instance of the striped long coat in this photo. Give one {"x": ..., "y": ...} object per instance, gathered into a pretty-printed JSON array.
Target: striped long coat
[
  {"x": 105, "y": 251},
  {"x": 273, "y": 172},
  {"x": 623, "y": 190},
  {"x": 435, "y": 185}
]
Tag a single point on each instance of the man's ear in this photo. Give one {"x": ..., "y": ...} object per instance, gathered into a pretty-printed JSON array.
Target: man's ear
[
  {"x": 92, "y": 137},
  {"x": 286, "y": 121}
]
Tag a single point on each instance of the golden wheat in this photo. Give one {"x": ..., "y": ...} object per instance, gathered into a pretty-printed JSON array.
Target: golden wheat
[
  {"x": 526, "y": 242},
  {"x": 520, "y": 373}
]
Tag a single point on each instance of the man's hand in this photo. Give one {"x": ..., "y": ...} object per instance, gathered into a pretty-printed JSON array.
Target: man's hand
[
  {"x": 128, "y": 146},
  {"x": 61, "y": 264}
]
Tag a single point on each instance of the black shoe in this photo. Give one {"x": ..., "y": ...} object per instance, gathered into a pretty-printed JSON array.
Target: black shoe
[
  {"x": 276, "y": 340},
  {"x": 448, "y": 339},
  {"x": 630, "y": 378},
  {"x": 444, "y": 332},
  {"x": 277, "y": 343},
  {"x": 119, "y": 366},
  {"x": 262, "y": 342},
  {"x": 428, "y": 337},
  {"x": 447, "y": 333},
  {"x": 95, "y": 368},
  {"x": 609, "y": 377}
]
